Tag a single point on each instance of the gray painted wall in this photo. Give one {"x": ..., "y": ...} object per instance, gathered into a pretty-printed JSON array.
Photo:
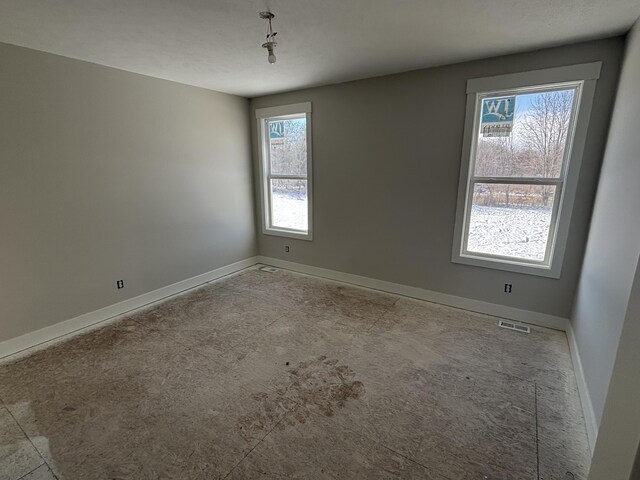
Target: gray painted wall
[
  {"x": 108, "y": 175},
  {"x": 386, "y": 159},
  {"x": 619, "y": 434},
  {"x": 613, "y": 248}
]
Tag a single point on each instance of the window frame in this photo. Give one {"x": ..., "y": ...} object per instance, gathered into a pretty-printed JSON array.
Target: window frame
[
  {"x": 582, "y": 75},
  {"x": 263, "y": 116}
]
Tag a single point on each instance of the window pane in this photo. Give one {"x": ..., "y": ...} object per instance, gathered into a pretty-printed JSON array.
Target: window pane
[
  {"x": 289, "y": 204},
  {"x": 511, "y": 220},
  {"x": 288, "y": 146},
  {"x": 524, "y": 135}
]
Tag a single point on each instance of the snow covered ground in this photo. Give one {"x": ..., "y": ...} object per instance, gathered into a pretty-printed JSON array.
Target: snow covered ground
[
  {"x": 289, "y": 210},
  {"x": 511, "y": 231}
]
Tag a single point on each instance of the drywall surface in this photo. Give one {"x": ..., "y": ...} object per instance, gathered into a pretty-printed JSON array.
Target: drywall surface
[
  {"x": 108, "y": 175},
  {"x": 614, "y": 238},
  {"x": 619, "y": 435},
  {"x": 386, "y": 161}
]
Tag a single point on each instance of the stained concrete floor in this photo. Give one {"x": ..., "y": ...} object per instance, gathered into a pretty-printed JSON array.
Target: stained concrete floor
[{"x": 281, "y": 375}]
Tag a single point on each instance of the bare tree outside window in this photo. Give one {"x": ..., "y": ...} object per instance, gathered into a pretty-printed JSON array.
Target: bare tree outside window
[{"x": 544, "y": 130}]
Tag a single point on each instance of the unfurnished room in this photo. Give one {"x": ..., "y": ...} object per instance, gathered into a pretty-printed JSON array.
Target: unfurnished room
[{"x": 359, "y": 239}]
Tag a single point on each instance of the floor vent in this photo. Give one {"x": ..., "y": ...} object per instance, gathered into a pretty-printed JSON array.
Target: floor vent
[
  {"x": 269, "y": 269},
  {"x": 514, "y": 326}
]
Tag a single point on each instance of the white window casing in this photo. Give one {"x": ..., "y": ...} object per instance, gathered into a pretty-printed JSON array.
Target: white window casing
[
  {"x": 263, "y": 116},
  {"x": 583, "y": 79}
]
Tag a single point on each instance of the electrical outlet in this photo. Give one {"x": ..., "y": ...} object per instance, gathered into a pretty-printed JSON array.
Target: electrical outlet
[
  {"x": 120, "y": 284},
  {"x": 508, "y": 287},
  {"x": 286, "y": 249}
]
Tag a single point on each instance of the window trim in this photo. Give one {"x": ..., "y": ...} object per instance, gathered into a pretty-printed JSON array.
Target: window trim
[
  {"x": 262, "y": 116},
  {"x": 584, "y": 74}
]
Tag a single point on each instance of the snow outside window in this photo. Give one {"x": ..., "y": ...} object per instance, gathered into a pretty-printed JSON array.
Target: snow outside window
[
  {"x": 285, "y": 161},
  {"x": 517, "y": 183}
]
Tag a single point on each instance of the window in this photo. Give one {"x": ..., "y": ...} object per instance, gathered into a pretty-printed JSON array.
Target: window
[
  {"x": 522, "y": 149},
  {"x": 284, "y": 135}
]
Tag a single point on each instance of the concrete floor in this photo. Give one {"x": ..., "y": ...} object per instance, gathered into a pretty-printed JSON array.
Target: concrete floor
[{"x": 280, "y": 375}]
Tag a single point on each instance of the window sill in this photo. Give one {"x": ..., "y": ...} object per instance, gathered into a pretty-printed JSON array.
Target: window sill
[
  {"x": 276, "y": 232},
  {"x": 508, "y": 266}
]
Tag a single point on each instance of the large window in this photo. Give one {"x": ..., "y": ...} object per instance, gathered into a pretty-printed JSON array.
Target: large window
[
  {"x": 522, "y": 151},
  {"x": 285, "y": 166}
]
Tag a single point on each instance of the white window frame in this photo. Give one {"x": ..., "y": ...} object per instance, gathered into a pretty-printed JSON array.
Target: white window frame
[
  {"x": 263, "y": 115},
  {"x": 584, "y": 75}
]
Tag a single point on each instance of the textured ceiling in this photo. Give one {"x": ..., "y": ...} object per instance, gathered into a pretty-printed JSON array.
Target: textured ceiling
[{"x": 216, "y": 43}]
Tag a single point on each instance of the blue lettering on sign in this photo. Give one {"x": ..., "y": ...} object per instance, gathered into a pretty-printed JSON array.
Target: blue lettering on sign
[
  {"x": 498, "y": 110},
  {"x": 276, "y": 130}
]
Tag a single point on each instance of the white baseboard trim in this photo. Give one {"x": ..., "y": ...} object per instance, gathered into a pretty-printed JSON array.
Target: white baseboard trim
[
  {"x": 25, "y": 344},
  {"x": 517, "y": 314},
  {"x": 583, "y": 390}
]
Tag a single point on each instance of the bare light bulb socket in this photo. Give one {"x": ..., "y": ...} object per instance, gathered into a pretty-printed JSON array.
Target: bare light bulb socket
[
  {"x": 270, "y": 46},
  {"x": 272, "y": 56}
]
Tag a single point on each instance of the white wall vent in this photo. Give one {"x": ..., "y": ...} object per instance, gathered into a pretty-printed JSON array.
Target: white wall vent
[{"x": 514, "y": 326}]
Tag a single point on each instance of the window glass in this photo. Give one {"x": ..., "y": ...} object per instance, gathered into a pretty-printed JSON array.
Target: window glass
[
  {"x": 511, "y": 220},
  {"x": 518, "y": 166},
  {"x": 531, "y": 139},
  {"x": 289, "y": 204},
  {"x": 288, "y": 146}
]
